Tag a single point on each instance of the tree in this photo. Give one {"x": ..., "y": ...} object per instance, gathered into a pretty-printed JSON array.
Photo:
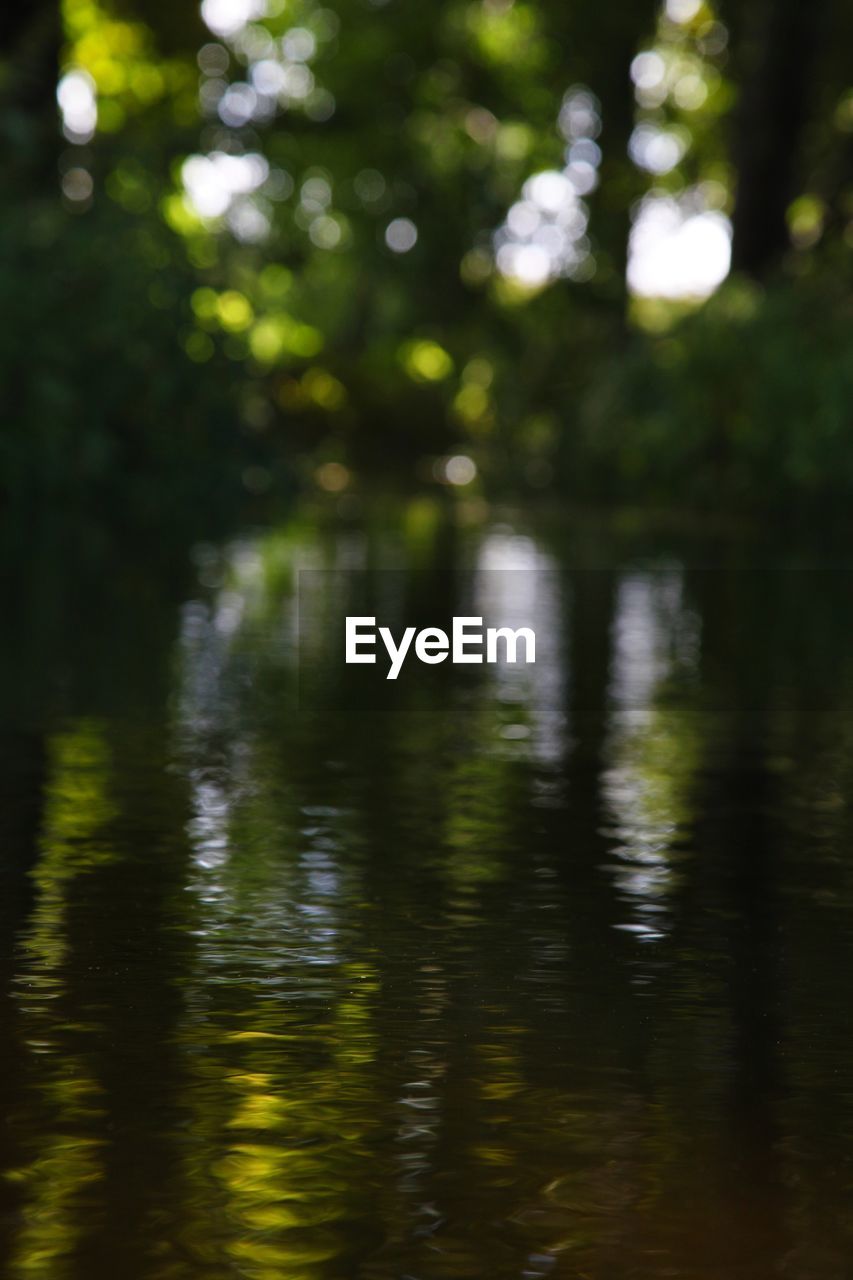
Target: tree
[{"x": 776, "y": 49}]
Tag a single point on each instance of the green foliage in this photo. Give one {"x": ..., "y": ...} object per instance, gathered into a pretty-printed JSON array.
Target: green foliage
[
  {"x": 99, "y": 389},
  {"x": 345, "y": 305},
  {"x": 747, "y": 401}
]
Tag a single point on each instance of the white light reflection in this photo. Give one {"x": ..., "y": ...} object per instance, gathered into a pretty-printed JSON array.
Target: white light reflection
[
  {"x": 401, "y": 235},
  {"x": 656, "y": 150},
  {"x": 277, "y": 78},
  {"x": 293, "y": 889},
  {"x": 645, "y": 784},
  {"x": 218, "y": 184},
  {"x": 249, "y": 221},
  {"x": 543, "y": 236},
  {"x": 648, "y": 70},
  {"x": 682, "y": 11},
  {"x": 676, "y": 251},
  {"x": 237, "y": 105},
  {"x": 78, "y": 103},
  {"x": 516, "y": 586},
  {"x": 299, "y": 45},
  {"x": 226, "y": 18}
]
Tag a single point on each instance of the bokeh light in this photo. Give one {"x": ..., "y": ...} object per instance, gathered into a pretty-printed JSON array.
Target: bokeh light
[
  {"x": 227, "y": 17},
  {"x": 677, "y": 251},
  {"x": 458, "y": 470},
  {"x": 401, "y": 235},
  {"x": 543, "y": 236},
  {"x": 78, "y": 104}
]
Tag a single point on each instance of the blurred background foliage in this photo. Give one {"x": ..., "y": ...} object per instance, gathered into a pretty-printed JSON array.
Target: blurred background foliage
[{"x": 597, "y": 251}]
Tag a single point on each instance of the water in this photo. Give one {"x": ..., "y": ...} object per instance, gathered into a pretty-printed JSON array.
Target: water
[{"x": 534, "y": 974}]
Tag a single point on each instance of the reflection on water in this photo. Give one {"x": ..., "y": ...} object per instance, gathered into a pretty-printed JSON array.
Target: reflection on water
[{"x": 541, "y": 977}]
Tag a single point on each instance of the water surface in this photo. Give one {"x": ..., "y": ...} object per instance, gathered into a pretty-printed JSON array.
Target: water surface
[{"x": 536, "y": 973}]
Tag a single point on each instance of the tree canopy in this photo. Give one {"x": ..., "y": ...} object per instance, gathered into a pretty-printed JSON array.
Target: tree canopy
[{"x": 286, "y": 237}]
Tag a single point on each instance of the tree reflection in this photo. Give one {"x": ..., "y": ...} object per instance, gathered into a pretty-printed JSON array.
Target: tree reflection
[{"x": 310, "y": 995}]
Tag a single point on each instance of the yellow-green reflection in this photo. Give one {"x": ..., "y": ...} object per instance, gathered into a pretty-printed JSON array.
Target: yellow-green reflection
[
  {"x": 317, "y": 989},
  {"x": 67, "y": 1099}
]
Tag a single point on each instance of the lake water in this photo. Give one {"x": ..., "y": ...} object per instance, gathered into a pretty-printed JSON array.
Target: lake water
[{"x": 541, "y": 972}]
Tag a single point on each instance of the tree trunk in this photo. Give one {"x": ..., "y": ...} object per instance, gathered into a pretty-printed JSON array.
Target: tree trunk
[
  {"x": 30, "y": 41},
  {"x": 774, "y": 57}
]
